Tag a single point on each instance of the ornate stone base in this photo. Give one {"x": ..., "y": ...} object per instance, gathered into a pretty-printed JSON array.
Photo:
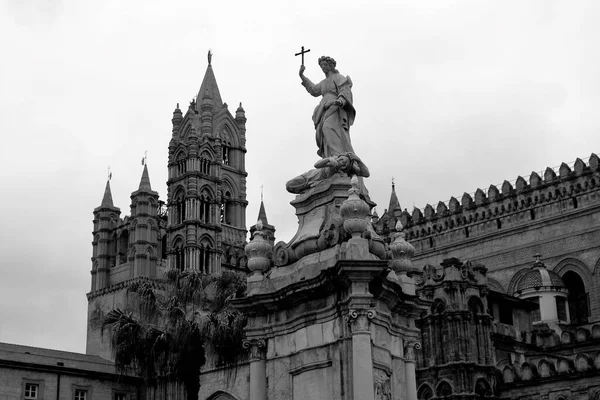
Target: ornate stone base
[{"x": 320, "y": 224}]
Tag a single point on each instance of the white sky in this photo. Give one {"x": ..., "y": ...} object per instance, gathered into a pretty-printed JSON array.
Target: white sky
[{"x": 450, "y": 96}]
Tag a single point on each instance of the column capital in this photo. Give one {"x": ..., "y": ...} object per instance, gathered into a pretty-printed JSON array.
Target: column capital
[
  {"x": 256, "y": 347},
  {"x": 359, "y": 320},
  {"x": 409, "y": 350}
]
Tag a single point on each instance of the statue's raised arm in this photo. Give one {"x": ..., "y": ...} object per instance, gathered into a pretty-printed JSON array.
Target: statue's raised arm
[{"x": 335, "y": 113}]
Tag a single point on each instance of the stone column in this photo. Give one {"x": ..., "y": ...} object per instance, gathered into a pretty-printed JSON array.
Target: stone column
[
  {"x": 411, "y": 374},
  {"x": 362, "y": 359},
  {"x": 258, "y": 368}
]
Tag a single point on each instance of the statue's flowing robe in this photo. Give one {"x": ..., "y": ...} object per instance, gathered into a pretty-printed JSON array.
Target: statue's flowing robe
[{"x": 332, "y": 123}]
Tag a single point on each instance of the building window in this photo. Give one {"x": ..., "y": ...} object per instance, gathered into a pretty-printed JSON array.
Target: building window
[
  {"x": 535, "y": 313},
  {"x": 506, "y": 315},
  {"x": 561, "y": 308},
  {"x": 80, "y": 394},
  {"x": 32, "y": 391}
]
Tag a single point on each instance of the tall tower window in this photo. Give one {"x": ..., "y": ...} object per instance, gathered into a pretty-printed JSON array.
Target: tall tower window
[
  {"x": 204, "y": 259},
  {"x": 226, "y": 148},
  {"x": 123, "y": 245},
  {"x": 179, "y": 260},
  {"x": 205, "y": 201},
  {"x": 578, "y": 298},
  {"x": 227, "y": 209},
  {"x": 179, "y": 208}
]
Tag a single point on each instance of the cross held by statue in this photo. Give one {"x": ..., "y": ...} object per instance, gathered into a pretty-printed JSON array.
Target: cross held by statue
[{"x": 302, "y": 54}]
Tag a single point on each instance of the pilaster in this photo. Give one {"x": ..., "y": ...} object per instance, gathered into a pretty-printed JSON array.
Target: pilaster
[
  {"x": 258, "y": 371},
  {"x": 359, "y": 321}
]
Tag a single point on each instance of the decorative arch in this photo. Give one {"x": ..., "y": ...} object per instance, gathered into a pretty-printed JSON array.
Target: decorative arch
[
  {"x": 528, "y": 371},
  {"x": 596, "y": 268},
  {"x": 583, "y": 362},
  {"x": 493, "y": 284},
  {"x": 207, "y": 190},
  {"x": 575, "y": 265},
  {"x": 483, "y": 388},
  {"x": 515, "y": 280},
  {"x": 475, "y": 305},
  {"x": 187, "y": 129},
  {"x": 565, "y": 366},
  {"x": 206, "y": 240},
  {"x": 508, "y": 375},
  {"x": 444, "y": 388},
  {"x": 180, "y": 154},
  {"x": 221, "y": 395},
  {"x": 229, "y": 185},
  {"x": 546, "y": 369},
  {"x": 206, "y": 151},
  {"x": 224, "y": 126},
  {"x": 425, "y": 392}
]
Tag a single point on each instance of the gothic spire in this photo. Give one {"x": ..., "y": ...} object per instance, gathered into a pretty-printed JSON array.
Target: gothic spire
[
  {"x": 209, "y": 88},
  {"x": 394, "y": 203},
  {"x": 145, "y": 181},
  {"x": 262, "y": 214},
  {"x": 107, "y": 200}
]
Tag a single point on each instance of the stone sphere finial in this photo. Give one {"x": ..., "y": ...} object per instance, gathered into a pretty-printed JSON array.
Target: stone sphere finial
[
  {"x": 259, "y": 252},
  {"x": 354, "y": 211},
  {"x": 402, "y": 252}
]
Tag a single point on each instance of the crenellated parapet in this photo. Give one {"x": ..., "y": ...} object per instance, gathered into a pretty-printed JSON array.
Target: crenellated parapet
[{"x": 509, "y": 206}]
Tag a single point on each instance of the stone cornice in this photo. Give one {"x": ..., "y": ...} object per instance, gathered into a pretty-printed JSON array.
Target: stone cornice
[{"x": 160, "y": 284}]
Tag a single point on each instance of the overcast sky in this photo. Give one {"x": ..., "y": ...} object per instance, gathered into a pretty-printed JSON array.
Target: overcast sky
[{"x": 450, "y": 96}]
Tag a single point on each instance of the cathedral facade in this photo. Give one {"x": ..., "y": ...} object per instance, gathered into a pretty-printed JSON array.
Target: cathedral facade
[{"x": 495, "y": 296}]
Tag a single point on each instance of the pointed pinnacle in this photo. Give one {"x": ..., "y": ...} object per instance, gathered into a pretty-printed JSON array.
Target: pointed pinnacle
[
  {"x": 145, "y": 181},
  {"x": 107, "y": 200}
]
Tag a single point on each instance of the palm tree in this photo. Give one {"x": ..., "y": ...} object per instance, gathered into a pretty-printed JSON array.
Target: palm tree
[{"x": 167, "y": 339}]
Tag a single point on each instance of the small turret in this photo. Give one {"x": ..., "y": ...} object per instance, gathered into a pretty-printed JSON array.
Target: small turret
[
  {"x": 267, "y": 229},
  {"x": 144, "y": 228},
  {"x": 176, "y": 120},
  {"x": 103, "y": 253},
  {"x": 240, "y": 114}
]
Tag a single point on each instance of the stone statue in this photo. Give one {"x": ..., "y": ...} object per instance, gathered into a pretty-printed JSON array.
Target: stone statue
[
  {"x": 347, "y": 163},
  {"x": 335, "y": 113}
]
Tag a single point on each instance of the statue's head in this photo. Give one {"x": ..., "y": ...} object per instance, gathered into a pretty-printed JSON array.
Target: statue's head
[{"x": 328, "y": 63}]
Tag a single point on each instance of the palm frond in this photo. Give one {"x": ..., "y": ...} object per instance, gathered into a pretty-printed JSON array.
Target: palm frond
[{"x": 147, "y": 298}]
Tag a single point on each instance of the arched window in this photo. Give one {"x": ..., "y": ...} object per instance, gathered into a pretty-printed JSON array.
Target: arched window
[
  {"x": 444, "y": 389},
  {"x": 478, "y": 345},
  {"x": 163, "y": 246},
  {"x": 425, "y": 393},
  {"x": 482, "y": 388},
  {"x": 227, "y": 209},
  {"x": 179, "y": 259},
  {"x": 205, "y": 200},
  {"x": 226, "y": 148},
  {"x": 123, "y": 246},
  {"x": 204, "y": 258},
  {"x": 205, "y": 161},
  {"x": 578, "y": 298},
  {"x": 179, "y": 207}
]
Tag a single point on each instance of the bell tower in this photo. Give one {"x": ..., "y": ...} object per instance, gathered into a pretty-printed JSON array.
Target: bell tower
[{"x": 206, "y": 187}]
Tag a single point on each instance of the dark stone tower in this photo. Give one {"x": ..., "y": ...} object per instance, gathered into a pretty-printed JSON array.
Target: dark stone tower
[
  {"x": 106, "y": 217},
  {"x": 456, "y": 360},
  {"x": 207, "y": 184},
  {"x": 124, "y": 250}
]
